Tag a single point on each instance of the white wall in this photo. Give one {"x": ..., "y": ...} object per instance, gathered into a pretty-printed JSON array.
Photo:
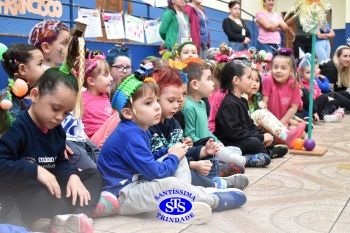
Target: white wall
[{"x": 339, "y": 16}]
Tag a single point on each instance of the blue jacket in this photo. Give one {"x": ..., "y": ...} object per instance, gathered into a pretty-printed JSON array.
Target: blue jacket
[
  {"x": 23, "y": 148},
  {"x": 126, "y": 157},
  {"x": 323, "y": 84}
]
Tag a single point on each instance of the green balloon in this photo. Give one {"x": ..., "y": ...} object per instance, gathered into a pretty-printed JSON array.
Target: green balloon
[{"x": 3, "y": 48}]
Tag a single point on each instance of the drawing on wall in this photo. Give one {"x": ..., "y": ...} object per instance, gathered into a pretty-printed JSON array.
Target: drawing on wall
[
  {"x": 152, "y": 31},
  {"x": 92, "y": 17},
  {"x": 134, "y": 29},
  {"x": 113, "y": 25}
]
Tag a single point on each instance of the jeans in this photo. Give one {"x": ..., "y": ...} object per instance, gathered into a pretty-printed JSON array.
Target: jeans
[
  {"x": 323, "y": 50},
  {"x": 267, "y": 47},
  {"x": 199, "y": 180},
  {"x": 203, "y": 53},
  {"x": 237, "y": 46},
  {"x": 85, "y": 154},
  {"x": 302, "y": 42}
]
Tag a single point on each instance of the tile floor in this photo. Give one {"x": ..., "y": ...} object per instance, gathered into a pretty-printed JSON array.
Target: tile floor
[{"x": 296, "y": 193}]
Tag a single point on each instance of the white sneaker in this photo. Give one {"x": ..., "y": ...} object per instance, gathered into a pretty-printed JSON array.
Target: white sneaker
[{"x": 332, "y": 118}]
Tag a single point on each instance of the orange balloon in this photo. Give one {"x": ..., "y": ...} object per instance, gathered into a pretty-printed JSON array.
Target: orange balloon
[
  {"x": 21, "y": 87},
  {"x": 298, "y": 143},
  {"x": 5, "y": 104}
]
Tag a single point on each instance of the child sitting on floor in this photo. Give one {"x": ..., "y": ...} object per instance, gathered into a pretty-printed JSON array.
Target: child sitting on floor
[{"x": 136, "y": 175}]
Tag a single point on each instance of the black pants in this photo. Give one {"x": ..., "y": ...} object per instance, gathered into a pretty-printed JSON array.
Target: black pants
[
  {"x": 341, "y": 96},
  {"x": 303, "y": 42},
  {"x": 253, "y": 145},
  {"x": 26, "y": 207}
]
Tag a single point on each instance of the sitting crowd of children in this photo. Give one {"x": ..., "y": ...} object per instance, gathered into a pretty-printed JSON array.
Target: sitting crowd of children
[{"x": 179, "y": 124}]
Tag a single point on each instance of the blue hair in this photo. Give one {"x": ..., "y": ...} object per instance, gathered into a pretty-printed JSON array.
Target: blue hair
[{"x": 118, "y": 50}]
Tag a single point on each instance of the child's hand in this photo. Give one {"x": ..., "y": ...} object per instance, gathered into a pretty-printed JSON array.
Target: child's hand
[
  {"x": 262, "y": 105},
  {"x": 49, "y": 180},
  {"x": 67, "y": 152},
  {"x": 293, "y": 122},
  {"x": 211, "y": 147},
  {"x": 321, "y": 76},
  {"x": 316, "y": 117},
  {"x": 268, "y": 139},
  {"x": 203, "y": 167},
  {"x": 188, "y": 141},
  {"x": 179, "y": 150},
  {"x": 76, "y": 188}
]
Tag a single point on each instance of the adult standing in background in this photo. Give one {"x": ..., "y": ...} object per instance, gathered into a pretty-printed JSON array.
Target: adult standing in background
[
  {"x": 174, "y": 27},
  {"x": 302, "y": 39},
  {"x": 323, "y": 46},
  {"x": 270, "y": 24},
  {"x": 198, "y": 26},
  {"x": 236, "y": 30}
]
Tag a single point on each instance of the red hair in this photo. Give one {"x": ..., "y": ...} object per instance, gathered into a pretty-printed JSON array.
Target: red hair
[{"x": 168, "y": 77}]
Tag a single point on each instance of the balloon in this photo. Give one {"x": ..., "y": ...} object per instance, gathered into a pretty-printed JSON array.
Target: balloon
[
  {"x": 298, "y": 143},
  {"x": 3, "y": 48},
  {"x": 269, "y": 56},
  {"x": 5, "y": 104},
  {"x": 309, "y": 144},
  {"x": 20, "y": 87},
  {"x": 263, "y": 54}
]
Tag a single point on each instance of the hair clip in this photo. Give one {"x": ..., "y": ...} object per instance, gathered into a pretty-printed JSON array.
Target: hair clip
[
  {"x": 122, "y": 47},
  {"x": 285, "y": 51},
  {"x": 145, "y": 71},
  {"x": 95, "y": 53},
  {"x": 92, "y": 63}
]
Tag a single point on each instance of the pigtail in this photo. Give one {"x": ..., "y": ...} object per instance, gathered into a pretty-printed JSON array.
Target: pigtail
[{"x": 78, "y": 110}]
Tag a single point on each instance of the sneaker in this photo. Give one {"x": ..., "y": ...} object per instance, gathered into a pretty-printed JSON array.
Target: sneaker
[
  {"x": 339, "y": 111},
  {"x": 229, "y": 169},
  {"x": 202, "y": 213},
  {"x": 238, "y": 181},
  {"x": 332, "y": 118},
  {"x": 294, "y": 133},
  {"x": 107, "y": 204},
  {"x": 77, "y": 223},
  {"x": 232, "y": 198},
  {"x": 279, "y": 151},
  {"x": 257, "y": 160}
]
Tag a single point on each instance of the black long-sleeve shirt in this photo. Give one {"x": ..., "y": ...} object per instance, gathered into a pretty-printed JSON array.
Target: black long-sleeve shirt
[
  {"x": 233, "y": 123},
  {"x": 233, "y": 31},
  {"x": 330, "y": 71},
  {"x": 23, "y": 148}
]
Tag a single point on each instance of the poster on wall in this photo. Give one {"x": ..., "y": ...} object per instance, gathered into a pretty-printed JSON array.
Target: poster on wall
[
  {"x": 134, "y": 29},
  {"x": 152, "y": 31},
  {"x": 113, "y": 25},
  {"x": 92, "y": 17}
]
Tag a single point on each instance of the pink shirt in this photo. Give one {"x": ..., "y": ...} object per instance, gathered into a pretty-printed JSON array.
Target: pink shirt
[
  {"x": 97, "y": 109},
  {"x": 317, "y": 90},
  {"x": 268, "y": 37},
  {"x": 281, "y": 97},
  {"x": 106, "y": 129},
  {"x": 217, "y": 99}
]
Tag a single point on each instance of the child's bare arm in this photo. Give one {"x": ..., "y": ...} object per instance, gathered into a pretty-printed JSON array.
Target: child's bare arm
[{"x": 290, "y": 113}]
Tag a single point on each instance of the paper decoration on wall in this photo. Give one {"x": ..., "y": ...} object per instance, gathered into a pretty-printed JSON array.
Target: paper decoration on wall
[
  {"x": 161, "y": 3},
  {"x": 114, "y": 25},
  {"x": 92, "y": 17},
  {"x": 157, "y": 3},
  {"x": 134, "y": 29},
  {"x": 152, "y": 31}
]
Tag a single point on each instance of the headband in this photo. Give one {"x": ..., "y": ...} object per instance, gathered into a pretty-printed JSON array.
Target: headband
[
  {"x": 90, "y": 64},
  {"x": 306, "y": 61},
  {"x": 128, "y": 87}
]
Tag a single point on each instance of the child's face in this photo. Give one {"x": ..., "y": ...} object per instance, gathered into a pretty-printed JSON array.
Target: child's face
[
  {"x": 188, "y": 51},
  {"x": 255, "y": 83},
  {"x": 102, "y": 82},
  {"x": 182, "y": 101},
  {"x": 245, "y": 82},
  {"x": 120, "y": 68},
  {"x": 306, "y": 73},
  {"x": 169, "y": 101},
  {"x": 205, "y": 85},
  {"x": 50, "y": 110},
  {"x": 59, "y": 48},
  {"x": 148, "y": 111},
  {"x": 317, "y": 71},
  {"x": 281, "y": 69},
  {"x": 34, "y": 68}
]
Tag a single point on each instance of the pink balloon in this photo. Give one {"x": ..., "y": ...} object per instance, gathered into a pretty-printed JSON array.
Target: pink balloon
[{"x": 269, "y": 56}]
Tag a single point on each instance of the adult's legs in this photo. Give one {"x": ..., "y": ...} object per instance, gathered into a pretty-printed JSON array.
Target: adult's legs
[
  {"x": 321, "y": 50},
  {"x": 237, "y": 46},
  {"x": 204, "y": 51},
  {"x": 344, "y": 102}
]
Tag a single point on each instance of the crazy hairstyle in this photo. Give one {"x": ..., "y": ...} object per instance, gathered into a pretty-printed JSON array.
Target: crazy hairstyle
[
  {"x": 16, "y": 54},
  {"x": 168, "y": 77},
  {"x": 46, "y": 31},
  {"x": 118, "y": 50}
]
